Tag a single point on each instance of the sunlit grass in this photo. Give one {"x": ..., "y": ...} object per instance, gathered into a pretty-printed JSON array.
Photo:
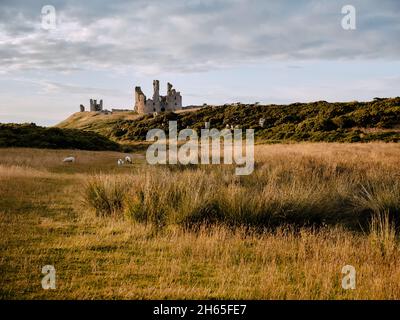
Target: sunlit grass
[{"x": 43, "y": 220}]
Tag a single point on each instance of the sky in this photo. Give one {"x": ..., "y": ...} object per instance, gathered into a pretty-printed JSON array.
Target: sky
[{"x": 212, "y": 51}]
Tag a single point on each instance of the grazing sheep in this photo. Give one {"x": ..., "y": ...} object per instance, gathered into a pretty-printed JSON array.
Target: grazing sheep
[
  {"x": 120, "y": 162},
  {"x": 69, "y": 159},
  {"x": 128, "y": 159}
]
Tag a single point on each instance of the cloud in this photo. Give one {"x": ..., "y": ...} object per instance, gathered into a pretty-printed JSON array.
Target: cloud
[
  {"x": 55, "y": 87},
  {"x": 46, "y": 87},
  {"x": 192, "y": 35}
]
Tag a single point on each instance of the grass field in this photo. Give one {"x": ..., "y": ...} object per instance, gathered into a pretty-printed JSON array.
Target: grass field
[{"x": 139, "y": 232}]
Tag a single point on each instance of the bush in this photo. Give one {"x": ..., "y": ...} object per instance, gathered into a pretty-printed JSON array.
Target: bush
[
  {"x": 32, "y": 136},
  {"x": 294, "y": 122}
]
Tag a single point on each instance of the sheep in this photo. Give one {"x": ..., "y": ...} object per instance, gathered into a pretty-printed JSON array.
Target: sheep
[
  {"x": 120, "y": 162},
  {"x": 128, "y": 159},
  {"x": 69, "y": 159}
]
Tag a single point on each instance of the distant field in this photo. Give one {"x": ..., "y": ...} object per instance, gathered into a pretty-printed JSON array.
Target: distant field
[{"x": 141, "y": 232}]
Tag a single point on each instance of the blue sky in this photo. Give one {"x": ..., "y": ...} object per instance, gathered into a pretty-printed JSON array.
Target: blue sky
[{"x": 214, "y": 51}]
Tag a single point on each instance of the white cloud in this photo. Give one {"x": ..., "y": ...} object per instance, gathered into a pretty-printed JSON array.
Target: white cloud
[{"x": 189, "y": 36}]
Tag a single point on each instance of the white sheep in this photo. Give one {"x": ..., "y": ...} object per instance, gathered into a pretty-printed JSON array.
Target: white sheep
[
  {"x": 120, "y": 162},
  {"x": 69, "y": 159},
  {"x": 128, "y": 159}
]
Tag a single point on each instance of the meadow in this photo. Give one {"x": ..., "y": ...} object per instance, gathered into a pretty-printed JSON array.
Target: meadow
[{"x": 191, "y": 232}]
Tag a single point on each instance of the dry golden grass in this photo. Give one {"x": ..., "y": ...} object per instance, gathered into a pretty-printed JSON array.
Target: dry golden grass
[
  {"x": 82, "y": 120},
  {"x": 291, "y": 185},
  {"x": 43, "y": 221}
]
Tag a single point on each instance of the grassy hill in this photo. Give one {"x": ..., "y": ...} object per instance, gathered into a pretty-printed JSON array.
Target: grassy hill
[
  {"x": 97, "y": 122},
  {"x": 316, "y": 121},
  {"x": 32, "y": 136}
]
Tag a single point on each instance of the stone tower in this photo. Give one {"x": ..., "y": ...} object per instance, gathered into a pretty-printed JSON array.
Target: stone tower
[
  {"x": 140, "y": 101},
  {"x": 96, "y": 107},
  {"x": 156, "y": 96},
  {"x": 172, "y": 101}
]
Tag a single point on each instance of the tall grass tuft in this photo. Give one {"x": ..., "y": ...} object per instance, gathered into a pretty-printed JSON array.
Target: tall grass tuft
[
  {"x": 106, "y": 194},
  {"x": 383, "y": 234},
  {"x": 296, "y": 187}
]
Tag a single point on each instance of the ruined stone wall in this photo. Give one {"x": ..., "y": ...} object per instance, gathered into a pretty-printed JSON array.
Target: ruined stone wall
[
  {"x": 96, "y": 107},
  {"x": 156, "y": 90},
  {"x": 151, "y": 106},
  {"x": 92, "y": 107},
  {"x": 140, "y": 101},
  {"x": 172, "y": 101}
]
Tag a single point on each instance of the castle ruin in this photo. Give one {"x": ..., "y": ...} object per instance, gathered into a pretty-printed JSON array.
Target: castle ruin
[
  {"x": 171, "y": 102},
  {"x": 94, "y": 106}
]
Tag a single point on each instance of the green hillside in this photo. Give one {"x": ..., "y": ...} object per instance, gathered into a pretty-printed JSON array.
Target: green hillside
[
  {"x": 32, "y": 136},
  {"x": 316, "y": 121}
]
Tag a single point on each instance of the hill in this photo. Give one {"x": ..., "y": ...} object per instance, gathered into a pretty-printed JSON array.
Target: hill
[
  {"x": 97, "y": 122},
  {"x": 317, "y": 121},
  {"x": 32, "y": 136}
]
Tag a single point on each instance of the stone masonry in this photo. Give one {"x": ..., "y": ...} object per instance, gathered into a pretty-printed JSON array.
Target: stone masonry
[
  {"x": 171, "y": 102},
  {"x": 94, "y": 106}
]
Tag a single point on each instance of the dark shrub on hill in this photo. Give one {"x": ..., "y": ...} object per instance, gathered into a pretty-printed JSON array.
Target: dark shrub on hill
[
  {"x": 315, "y": 121},
  {"x": 32, "y": 136}
]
